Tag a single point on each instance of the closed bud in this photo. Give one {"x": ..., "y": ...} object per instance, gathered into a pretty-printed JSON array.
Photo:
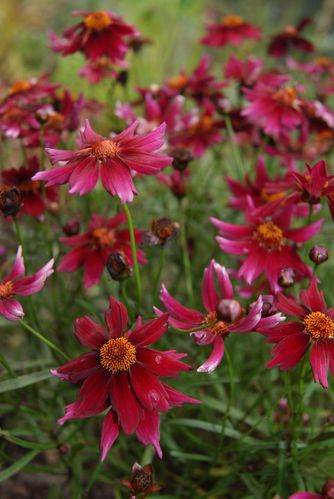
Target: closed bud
[
  {"x": 63, "y": 449},
  {"x": 229, "y": 310},
  {"x": 268, "y": 306},
  {"x": 10, "y": 201},
  {"x": 122, "y": 77},
  {"x": 162, "y": 229},
  {"x": 118, "y": 266},
  {"x": 182, "y": 158},
  {"x": 318, "y": 254},
  {"x": 72, "y": 227},
  {"x": 287, "y": 278}
]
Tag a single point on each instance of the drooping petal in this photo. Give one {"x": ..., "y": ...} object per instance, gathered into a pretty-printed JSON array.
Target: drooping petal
[
  {"x": 89, "y": 333},
  {"x": 93, "y": 268},
  {"x": 148, "y": 430},
  {"x": 11, "y": 309},
  {"x": 192, "y": 317},
  {"x": 177, "y": 399},
  {"x": 116, "y": 179},
  {"x": 289, "y": 351},
  {"x": 18, "y": 268},
  {"x": 215, "y": 357},
  {"x": 94, "y": 391},
  {"x": 319, "y": 359},
  {"x": 110, "y": 432}
]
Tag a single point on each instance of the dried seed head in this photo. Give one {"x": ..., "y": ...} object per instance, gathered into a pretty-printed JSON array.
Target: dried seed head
[
  {"x": 318, "y": 254},
  {"x": 182, "y": 158},
  {"x": 118, "y": 266},
  {"x": 287, "y": 278},
  {"x": 72, "y": 227},
  {"x": 10, "y": 201}
]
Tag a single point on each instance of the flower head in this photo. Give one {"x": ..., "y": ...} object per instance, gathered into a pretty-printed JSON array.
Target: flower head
[
  {"x": 111, "y": 158},
  {"x": 232, "y": 29},
  {"x": 121, "y": 372},
  {"x": 290, "y": 38},
  {"x": 14, "y": 284}
]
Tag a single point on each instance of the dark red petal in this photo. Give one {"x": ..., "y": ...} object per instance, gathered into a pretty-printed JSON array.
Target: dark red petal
[
  {"x": 89, "y": 333},
  {"x": 94, "y": 391},
  {"x": 116, "y": 318},
  {"x": 312, "y": 298},
  {"x": 320, "y": 359},
  {"x": 110, "y": 431},
  {"x": 125, "y": 403},
  {"x": 148, "y": 389},
  {"x": 148, "y": 430},
  {"x": 289, "y": 351},
  {"x": 160, "y": 363},
  {"x": 78, "y": 368},
  {"x": 289, "y": 306},
  {"x": 149, "y": 332}
]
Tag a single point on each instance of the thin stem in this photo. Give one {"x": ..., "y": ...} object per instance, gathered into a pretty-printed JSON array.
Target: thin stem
[
  {"x": 19, "y": 237},
  {"x": 158, "y": 276},
  {"x": 230, "y": 398},
  {"x": 134, "y": 255},
  {"x": 200, "y": 327},
  {"x": 6, "y": 366},
  {"x": 185, "y": 255},
  {"x": 234, "y": 145},
  {"x": 45, "y": 340}
]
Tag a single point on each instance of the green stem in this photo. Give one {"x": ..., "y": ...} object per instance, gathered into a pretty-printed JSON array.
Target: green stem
[
  {"x": 230, "y": 398},
  {"x": 134, "y": 255},
  {"x": 158, "y": 276},
  {"x": 6, "y": 366},
  {"x": 45, "y": 340},
  {"x": 200, "y": 327},
  {"x": 185, "y": 256},
  {"x": 234, "y": 145},
  {"x": 19, "y": 237}
]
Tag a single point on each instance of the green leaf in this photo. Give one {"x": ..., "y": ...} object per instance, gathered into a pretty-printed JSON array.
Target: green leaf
[
  {"x": 26, "y": 443},
  {"x": 24, "y": 380},
  {"x": 185, "y": 456},
  {"x": 18, "y": 465}
]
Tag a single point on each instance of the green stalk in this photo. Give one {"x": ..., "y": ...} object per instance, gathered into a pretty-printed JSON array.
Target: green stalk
[
  {"x": 134, "y": 255},
  {"x": 200, "y": 327},
  {"x": 158, "y": 276},
  {"x": 185, "y": 256},
  {"x": 234, "y": 145},
  {"x": 45, "y": 340}
]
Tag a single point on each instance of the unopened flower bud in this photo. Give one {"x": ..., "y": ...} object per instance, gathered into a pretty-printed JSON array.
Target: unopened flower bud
[
  {"x": 229, "y": 310},
  {"x": 10, "y": 201},
  {"x": 63, "y": 449},
  {"x": 287, "y": 277},
  {"x": 162, "y": 229},
  {"x": 118, "y": 266},
  {"x": 182, "y": 158},
  {"x": 268, "y": 306},
  {"x": 122, "y": 77},
  {"x": 72, "y": 227},
  {"x": 318, "y": 254}
]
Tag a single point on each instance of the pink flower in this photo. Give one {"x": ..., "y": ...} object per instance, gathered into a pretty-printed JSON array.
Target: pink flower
[
  {"x": 245, "y": 72},
  {"x": 290, "y": 38},
  {"x": 13, "y": 285},
  {"x": 314, "y": 330},
  {"x": 121, "y": 373},
  {"x": 232, "y": 29},
  {"x": 221, "y": 307},
  {"x": 111, "y": 158},
  {"x": 92, "y": 249},
  {"x": 101, "y": 33},
  {"x": 264, "y": 243}
]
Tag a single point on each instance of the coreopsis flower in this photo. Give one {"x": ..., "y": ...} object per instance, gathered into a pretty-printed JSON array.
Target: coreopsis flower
[
  {"x": 274, "y": 107},
  {"x": 110, "y": 158},
  {"x": 224, "y": 314},
  {"x": 326, "y": 493},
  {"x": 15, "y": 284},
  {"x": 232, "y": 29},
  {"x": 29, "y": 91},
  {"x": 98, "y": 69},
  {"x": 290, "y": 38},
  {"x": 245, "y": 72},
  {"x": 121, "y": 373},
  {"x": 35, "y": 200},
  {"x": 92, "y": 249},
  {"x": 314, "y": 330},
  {"x": 267, "y": 245}
]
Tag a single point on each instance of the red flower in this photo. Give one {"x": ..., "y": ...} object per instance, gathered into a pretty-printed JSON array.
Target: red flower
[
  {"x": 101, "y": 33},
  {"x": 35, "y": 201},
  {"x": 314, "y": 330},
  {"x": 265, "y": 244},
  {"x": 221, "y": 307},
  {"x": 13, "y": 285},
  {"x": 232, "y": 29},
  {"x": 290, "y": 38},
  {"x": 92, "y": 249},
  {"x": 245, "y": 72},
  {"x": 121, "y": 373},
  {"x": 112, "y": 158}
]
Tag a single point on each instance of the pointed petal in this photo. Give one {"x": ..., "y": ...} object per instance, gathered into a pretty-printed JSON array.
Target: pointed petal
[
  {"x": 319, "y": 359},
  {"x": 18, "y": 268},
  {"x": 149, "y": 332},
  {"x": 215, "y": 358},
  {"x": 116, "y": 318},
  {"x": 125, "y": 403},
  {"x": 110, "y": 432},
  {"x": 89, "y": 333},
  {"x": 148, "y": 430}
]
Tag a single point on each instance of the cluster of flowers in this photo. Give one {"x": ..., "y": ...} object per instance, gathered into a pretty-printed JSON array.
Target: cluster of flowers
[{"x": 119, "y": 376}]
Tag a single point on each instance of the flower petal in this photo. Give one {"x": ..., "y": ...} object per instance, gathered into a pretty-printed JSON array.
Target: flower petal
[
  {"x": 116, "y": 318},
  {"x": 125, "y": 403},
  {"x": 110, "y": 431},
  {"x": 149, "y": 332},
  {"x": 89, "y": 333},
  {"x": 319, "y": 359},
  {"x": 148, "y": 389},
  {"x": 215, "y": 358}
]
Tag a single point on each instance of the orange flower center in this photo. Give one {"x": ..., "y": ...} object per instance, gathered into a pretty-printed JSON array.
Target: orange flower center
[
  {"x": 20, "y": 86},
  {"x": 233, "y": 21},
  {"x": 6, "y": 290},
  {"x": 324, "y": 61},
  {"x": 117, "y": 355},
  {"x": 30, "y": 186},
  {"x": 287, "y": 97},
  {"x": 178, "y": 82},
  {"x": 319, "y": 326},
  {"x": 105, "y": 149},
  {"x": 103, "y": 236},
  {"x": 55, "y": 120},
  {"x": 269, "y": 235},
  {"x": 271, "y": 196},
  {"x": 218, "y": 329},
  {"x": 98, "y": 20},
  {"x": 290, "y": 30}
]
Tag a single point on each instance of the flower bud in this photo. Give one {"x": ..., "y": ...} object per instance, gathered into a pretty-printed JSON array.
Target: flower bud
[
  {"x": 10, "y": 201},
  {"x": 63, "y": 449},
  {"x": 72, "y": 227},
  {"x": 268, "y": 306},
  {"x": 182, "y": 158},
  {"x": 122, "y": 77},
  {"x": 118, "y": 266},
  {"x": 162, "y": 229},
  {"x": 286, "y": 277},
  {"x": 229, "y": 310},
  {"x": 318, "y": 254}
]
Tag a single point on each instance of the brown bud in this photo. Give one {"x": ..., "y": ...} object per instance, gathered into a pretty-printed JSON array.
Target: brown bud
[
  {"x": 118, "y": 266},
  {"x": 141, "y": 481},
  {"x": 63, "y": 449},
  {"x": 268, "y": 306},
  {"x": 182, "y": 158},
  {"x": 229, "y": 310},
  {"x": 10, "y": 201},
  {"x": 136, "y": 43},
  {"x": 287, "y": 277},
  {"x": 318, "y": 254},
  {"x": 122, "y": 77},
  {"x": 72, "y": 227},
  {"x": 162, "y": 229}
]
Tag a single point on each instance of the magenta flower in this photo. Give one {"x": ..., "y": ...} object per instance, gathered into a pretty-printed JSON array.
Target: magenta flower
[
  {"x": 232, "y": 29},
  {"x": 111, "y": 158},
  {"x": 220, "y": 306},
  {"x": 290, "y": 38},
  {"x": 264, "y": 243},
  {"x": 13, "y": 285},
  {"x": 91, "y": 249},
  {"x": 314, "y": 330},
  {"x": 121, "y": 372}
]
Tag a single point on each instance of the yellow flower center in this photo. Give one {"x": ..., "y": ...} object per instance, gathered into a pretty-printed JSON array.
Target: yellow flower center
[
  {"x": 233, "y": 21},
  {"x": 105, "y": 149},
  {"x": 287, "y": 97},
  {"x": 319, "y": 326},
  {"x": 6, "y": 290},
  {"x": 269, "y": 235},
  {"x": 218, "y": 329},
  {"x": 178, "y": 82},
  {"x": 20, "y": 86},
  {"x": 98, "y": 20},
  {"x": 117, "y": 355},
  {"x": 103, "y": 236},
  {"x": 55, "y": 120}
]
